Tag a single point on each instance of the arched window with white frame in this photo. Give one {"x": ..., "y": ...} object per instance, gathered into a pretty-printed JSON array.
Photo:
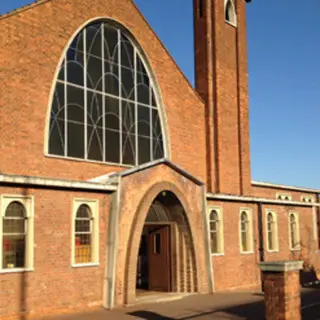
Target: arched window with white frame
[
  {"x": 246, "y": 243},
  {"x": 85, "y": 232},
  {"x": 272, "y": 231},
  {"x": 230, "y": 12},
  {"x": 16, "y": 248},
  {"x": 106, "y": 105},
  {"x": 294, "y": 232},
  {"x": 216, "y": 231}
]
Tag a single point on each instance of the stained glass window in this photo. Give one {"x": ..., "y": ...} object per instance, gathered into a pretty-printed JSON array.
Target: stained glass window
[
  {"x": 83, "y": 235},
  {"x": 104, "y": 106},
  {"x": 14, "y": 236}
]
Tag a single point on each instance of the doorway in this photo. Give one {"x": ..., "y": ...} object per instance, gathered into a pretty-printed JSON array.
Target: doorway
[{"x": 153, "y": 265}]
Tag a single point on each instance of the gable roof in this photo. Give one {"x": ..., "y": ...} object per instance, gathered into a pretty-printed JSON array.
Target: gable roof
[
  {"x": 284, "y": 187},
  {"x": 40, "y": 2},
  {"x": 113, "y": 177}
]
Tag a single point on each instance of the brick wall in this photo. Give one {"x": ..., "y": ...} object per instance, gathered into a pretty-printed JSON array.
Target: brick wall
[
  {"x": 232, "y": 260},
  {"x": 282, "y": 290},
  {"x": 221, "y": 62},
  {"x": 306, "y": 233},
  {"x": 53, "y": 285},
  {"x": 270, "y": 193},
  {"x": 32, "y": 44}
]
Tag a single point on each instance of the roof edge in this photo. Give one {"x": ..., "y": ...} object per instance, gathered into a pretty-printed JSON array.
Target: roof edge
[
  {"x": 168, "y": 53},
  {"x": 55, "y": 183},
  {"x": 111, "y": 177},
  {"x": 23, "y": 8},
  {"x": 38, "y": 2},
  {"x": 282, "y": 186},
  {"x": 228, "y": 197}
]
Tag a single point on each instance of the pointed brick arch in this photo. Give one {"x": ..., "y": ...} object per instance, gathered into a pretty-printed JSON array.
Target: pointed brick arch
[{"x": 185, "y": 238}]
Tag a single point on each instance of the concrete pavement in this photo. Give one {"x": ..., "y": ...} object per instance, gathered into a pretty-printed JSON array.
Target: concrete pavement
[{"x": 219, "y": 306}]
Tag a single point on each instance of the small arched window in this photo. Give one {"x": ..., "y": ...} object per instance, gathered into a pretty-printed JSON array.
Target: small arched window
[
  {"x": 294, "y": 231},
  {"x": 230, "y": 12},
  {"x": 14, "y": 236},
  {"x": 245, "y": 231},
  {"x": 83, "y": 235},
  {"x": 216, "y": 231},
  {"x": 104, "y": 107},
  {"x": 272, "y": 236}
]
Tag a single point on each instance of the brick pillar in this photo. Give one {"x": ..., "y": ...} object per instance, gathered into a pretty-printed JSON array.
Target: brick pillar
[{"x": 282, "y": 289}]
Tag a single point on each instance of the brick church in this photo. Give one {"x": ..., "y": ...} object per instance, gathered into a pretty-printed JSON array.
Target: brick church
[{"x": 117, "y": 177}]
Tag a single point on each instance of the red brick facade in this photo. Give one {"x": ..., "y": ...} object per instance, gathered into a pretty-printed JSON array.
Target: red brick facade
[{"x": 208, "y": 166}]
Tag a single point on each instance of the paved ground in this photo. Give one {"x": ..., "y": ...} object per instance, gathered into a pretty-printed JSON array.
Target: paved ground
[{"x": 220, "y": 306}]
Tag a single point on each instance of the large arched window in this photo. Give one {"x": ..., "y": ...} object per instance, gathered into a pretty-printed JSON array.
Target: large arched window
[{"x": 104, "y": 106}]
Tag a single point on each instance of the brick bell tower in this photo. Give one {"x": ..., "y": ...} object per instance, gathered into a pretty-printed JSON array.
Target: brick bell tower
[{"x": 222, "y": 81}]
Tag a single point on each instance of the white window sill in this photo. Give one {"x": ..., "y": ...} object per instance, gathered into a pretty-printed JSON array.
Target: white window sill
[
  {"x": 247, "y": 252},
  {"x": 295, "y": 249},
  {"x": 84, "y": 265},
  {"x": 273, "y": 251},
  {"x": 218, "y": 254},
  {"x": 16, "y": 270}
]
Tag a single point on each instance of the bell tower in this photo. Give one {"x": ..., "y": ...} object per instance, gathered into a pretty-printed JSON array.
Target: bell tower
[{"x": 221, "y": 74}]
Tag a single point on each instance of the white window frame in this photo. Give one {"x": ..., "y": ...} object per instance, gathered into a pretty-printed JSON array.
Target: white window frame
[
  {"x": 234, "y": 20},
  {"x": 284, "y": 196},
  {"x": 221, "y": 232},
  {"x": 305, "y": 198},
  {"x": 28, "y": 203},
  {"x": 250, "y": 250},
  {"x": 296, "y": 214},
  {"x": 275, "y": 235},
  {"x": 94, "y": 208}
]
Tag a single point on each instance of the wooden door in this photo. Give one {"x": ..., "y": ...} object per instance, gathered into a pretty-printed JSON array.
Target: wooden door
[{"x": 159, "y": 258}]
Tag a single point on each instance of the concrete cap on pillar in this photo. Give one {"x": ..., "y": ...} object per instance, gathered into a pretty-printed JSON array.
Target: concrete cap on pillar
[{"x": 281, "y": 266}]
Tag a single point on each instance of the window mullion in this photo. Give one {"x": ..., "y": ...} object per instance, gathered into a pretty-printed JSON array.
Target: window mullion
[
  {"x": 135, "y": 106},
  {"x": 150, "y": 120},
  {"x": 103, "y": 97},
  {"x": 120, "y": 97},
  {"x": 85, "y": 92},
  {"x": 65, "y": 107}
]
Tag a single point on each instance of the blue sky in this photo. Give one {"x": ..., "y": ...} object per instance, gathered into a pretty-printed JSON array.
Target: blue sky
[{"x": 284, "y": 83}]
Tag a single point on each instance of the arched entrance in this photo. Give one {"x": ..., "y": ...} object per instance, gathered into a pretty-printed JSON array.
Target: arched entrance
[{"x": 166, "y": 260}]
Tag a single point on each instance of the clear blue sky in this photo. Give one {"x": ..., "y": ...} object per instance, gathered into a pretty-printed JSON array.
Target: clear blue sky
[{"x": 284, "y": 82}]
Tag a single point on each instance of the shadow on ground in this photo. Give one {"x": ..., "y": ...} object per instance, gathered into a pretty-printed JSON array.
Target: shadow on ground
[
  {"x": 250, "y": 311},
  {"x": 247, "y": 311}
]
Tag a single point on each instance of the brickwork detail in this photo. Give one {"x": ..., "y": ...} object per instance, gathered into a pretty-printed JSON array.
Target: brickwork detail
[
  {"x": 282, "y": 290},
  {"x": 138, "y": 193}
]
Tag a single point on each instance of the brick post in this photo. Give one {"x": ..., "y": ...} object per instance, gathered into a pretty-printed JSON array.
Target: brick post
[{"x": 282, "y": 289}]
